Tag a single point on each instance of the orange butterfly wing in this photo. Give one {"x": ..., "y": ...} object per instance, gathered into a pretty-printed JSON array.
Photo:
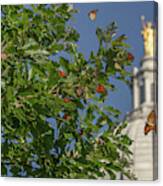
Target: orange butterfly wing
[
  {"x": 151, "y": 119},
  {"x": 92, "y": 15},
  {"x": 146, "y": 129},
  {"x": 151, "y": 123}
]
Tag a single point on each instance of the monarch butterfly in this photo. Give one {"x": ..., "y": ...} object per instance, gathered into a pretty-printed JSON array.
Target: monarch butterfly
[
  {"x": 151, "y": 123},
  {"x": 92, "y": 14}
]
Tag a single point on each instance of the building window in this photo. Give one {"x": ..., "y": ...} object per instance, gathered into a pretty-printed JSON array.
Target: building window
[
  {"x": 142, "y": 91},
  {"x": 153, "y": 92}
]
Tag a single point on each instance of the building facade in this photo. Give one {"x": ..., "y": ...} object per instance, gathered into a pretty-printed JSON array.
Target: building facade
[{"x": 144, "y": 91}]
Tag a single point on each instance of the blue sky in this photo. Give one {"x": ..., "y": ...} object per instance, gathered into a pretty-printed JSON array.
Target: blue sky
[{"x": 127, "y": 15}]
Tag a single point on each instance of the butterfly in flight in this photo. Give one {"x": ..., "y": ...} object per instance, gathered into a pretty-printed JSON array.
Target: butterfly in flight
[
  {"x": 151, "y": 123},
  {"x": 93, "y": 14}
]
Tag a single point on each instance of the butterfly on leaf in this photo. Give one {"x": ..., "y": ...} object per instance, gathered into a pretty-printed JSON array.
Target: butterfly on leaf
[
  {"x": 151, "y": 123},
  {"x": 92, "y": 14}
]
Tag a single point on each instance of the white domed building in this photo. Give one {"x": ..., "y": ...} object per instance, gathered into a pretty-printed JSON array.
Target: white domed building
[{"x": 144, "y": 91}]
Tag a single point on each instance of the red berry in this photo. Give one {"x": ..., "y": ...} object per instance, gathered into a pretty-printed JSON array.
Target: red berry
[
  {"x": 100, "y": 89},
  {"x": 130, "y": 57},
  {"x": 62, "y": 73},
  {"x": 66, "y": 100},
  {"x": 66, "y": 117}
]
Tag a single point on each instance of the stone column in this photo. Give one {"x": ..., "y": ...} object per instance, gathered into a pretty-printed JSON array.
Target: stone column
[{"x": 135, "y": 89}]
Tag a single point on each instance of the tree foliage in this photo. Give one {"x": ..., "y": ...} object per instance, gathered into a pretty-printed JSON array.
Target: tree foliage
[{"x": 38, "y": 83}]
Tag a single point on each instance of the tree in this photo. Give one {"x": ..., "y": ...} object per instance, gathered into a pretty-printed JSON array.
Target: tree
[{"x": 38, "y": 83}]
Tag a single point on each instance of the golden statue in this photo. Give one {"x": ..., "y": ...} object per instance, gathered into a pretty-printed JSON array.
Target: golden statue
[{"x": 149, "y": 36}]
